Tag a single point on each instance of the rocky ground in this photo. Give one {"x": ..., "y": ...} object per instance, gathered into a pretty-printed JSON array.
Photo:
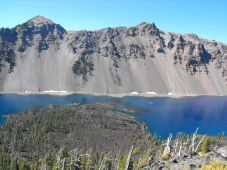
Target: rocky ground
[
  {"x": 194, "y": 162},
  {"x": 217, "y": 153}
]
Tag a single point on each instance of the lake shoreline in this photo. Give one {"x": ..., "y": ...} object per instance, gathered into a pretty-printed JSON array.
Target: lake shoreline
[
  {"x": 116, "y": 95},
  {"x": 173, "y": 113}
]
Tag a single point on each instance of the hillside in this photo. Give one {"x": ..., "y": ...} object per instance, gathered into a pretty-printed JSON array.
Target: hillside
[
  {"x": 40, "y": 55},
  {"x": 97, "y": 127}
]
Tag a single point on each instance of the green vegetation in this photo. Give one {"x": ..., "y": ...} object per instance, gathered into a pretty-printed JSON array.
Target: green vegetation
[
  {"x": 136, "y": 150},
  {"x": 208, "y": 143},
  {"x": 149, "y": 153},
  {"x": 145, "y": 157},
  {"x": 77, "y": 159},
  {"x": 215, "y": 166},
  {"x": 205, "y": 145},
  {"x": 87, "y": 137},
  {"x": 122, "y": 162},
  {"x": 64, "y": 159}
]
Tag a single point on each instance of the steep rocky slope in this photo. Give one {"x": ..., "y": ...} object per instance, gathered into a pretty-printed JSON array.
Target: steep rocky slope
[{"x": 40, "y": 55}]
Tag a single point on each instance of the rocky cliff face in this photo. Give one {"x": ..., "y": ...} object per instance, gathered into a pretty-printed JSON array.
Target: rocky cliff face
[{"x": 40, "y": 55}]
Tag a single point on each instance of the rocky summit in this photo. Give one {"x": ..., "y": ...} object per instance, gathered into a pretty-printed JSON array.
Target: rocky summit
[{"x": 40, "y": 55}]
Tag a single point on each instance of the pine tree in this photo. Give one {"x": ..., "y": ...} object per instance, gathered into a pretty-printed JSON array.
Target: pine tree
[
  {"x": 64, "y": 152},
  {"x": 205, "y": 145},
  {"x": 23, "y": 165},
  {"x": 13, "y": 165}
]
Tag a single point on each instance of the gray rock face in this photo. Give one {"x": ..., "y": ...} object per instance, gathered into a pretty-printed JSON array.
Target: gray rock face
[{"x": 40, "y": 55}]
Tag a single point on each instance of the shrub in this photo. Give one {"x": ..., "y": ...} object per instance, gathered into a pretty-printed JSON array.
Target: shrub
[
  {"x": 122, "y": 162},
  {"x": 215, "y": 166},
  {"x": 143, "y": 161},
  {"x": 205, "y": 145}
]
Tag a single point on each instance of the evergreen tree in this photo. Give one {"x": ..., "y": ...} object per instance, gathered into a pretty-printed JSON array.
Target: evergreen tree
[
  {"x": 23, "y": 165},
  {"x": 205, "y": 145},
  {"x": 13, "y": 165}
]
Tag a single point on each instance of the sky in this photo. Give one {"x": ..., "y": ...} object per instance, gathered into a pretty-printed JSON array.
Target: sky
[{"x": 205, "y": 18}]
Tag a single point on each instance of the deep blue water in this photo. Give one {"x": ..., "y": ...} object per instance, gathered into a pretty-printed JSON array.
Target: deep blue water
[{"x": 161, "y": 115}]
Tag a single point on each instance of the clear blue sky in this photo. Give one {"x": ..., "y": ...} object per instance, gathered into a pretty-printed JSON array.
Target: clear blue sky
[{"x": 206, "y": 18}]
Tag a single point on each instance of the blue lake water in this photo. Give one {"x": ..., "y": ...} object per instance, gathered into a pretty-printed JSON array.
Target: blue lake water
[{"x": 161, "y": 115}]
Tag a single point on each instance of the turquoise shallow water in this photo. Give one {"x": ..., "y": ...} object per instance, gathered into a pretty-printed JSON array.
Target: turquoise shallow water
[{"x": 161, "y": 115}]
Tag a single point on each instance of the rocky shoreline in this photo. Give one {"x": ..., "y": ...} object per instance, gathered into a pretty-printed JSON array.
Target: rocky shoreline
[{"x": 118, "y": 95}]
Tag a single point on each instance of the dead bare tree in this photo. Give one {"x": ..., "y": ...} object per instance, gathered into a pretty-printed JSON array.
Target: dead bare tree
[
  {"x": 196, "y": 149},
  {"x": 129, "y": 158},
  {"x": 116, "y": 159},
  {"x": 192, "y": 146},
  {"x": 105, "y": 158},
  {"x": 183, "y": 145},
  {"x": 63, "y": 164},
  {"x": 179, "y": 152},
  {"x": 75, "y": 157},
  {"x": 58, "y": 161},
  {"x": 167, "y": 149}
]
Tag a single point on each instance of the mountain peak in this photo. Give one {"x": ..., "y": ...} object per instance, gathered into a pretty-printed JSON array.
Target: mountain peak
[
  {"x": 146, "y": 23},
  {"x": 40, "y": 20}
]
